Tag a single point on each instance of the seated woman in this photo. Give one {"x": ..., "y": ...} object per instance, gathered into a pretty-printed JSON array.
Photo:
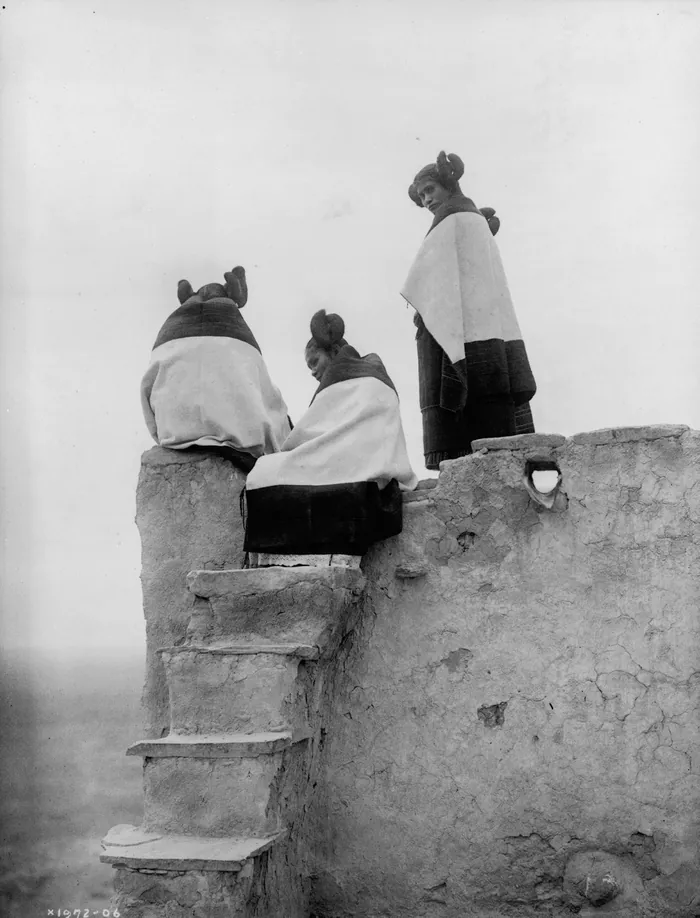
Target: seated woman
[
  {"x": 335, "y": 486},
  {"x": 207, "y": 385}
]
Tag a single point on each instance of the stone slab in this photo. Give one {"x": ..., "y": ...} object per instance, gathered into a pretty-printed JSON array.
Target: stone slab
[
  {"x": 125, "y": 835},
  {"x": 298, "y": 651},
  {"x": 415, "y": 497},
  {"x": 128, "y": 846},
  {"x": 421, "y": 492},
  {"x": 217, "y": 745},
  {"x": 271, "y": 560},
  {"x": 418, "y": 503},
  {"x": 628, "y": 434},
  {"x": 528, "y": 442},
  {"x": 260, "y": 580}
]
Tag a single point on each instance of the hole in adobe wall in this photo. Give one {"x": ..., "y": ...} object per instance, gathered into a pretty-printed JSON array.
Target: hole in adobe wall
[
  {"x": 543, "y": 474},
  {"x": 545, "y": 480},
  {"x": 542, "y": 479}
]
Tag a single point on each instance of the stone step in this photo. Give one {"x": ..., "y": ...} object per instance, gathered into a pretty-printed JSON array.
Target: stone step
[
  {"x": 421, "y": 495},
  {"x": 221, "y": 796},
  {"x": 267, "y": 560},
  {"x": 304, "y": 604},
  {"x": 216, "y": 745},
  {"x": 132, "y": 847},
  {"x": 238, "y": 688},
  {"x": 248, "y": 648},
  {"x": 257, "y": 580}
]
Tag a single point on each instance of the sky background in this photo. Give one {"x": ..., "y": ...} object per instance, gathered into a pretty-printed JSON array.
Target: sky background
[{"x": 143, "y": 142}]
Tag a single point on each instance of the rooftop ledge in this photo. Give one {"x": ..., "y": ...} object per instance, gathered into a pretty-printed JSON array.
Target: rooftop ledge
[
  {"x": 589, "y": 438},
  {"x": 159, "y": 456}
]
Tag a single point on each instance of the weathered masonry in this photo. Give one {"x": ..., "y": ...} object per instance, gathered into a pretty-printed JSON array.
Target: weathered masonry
[{"x": 497, "y": 716}]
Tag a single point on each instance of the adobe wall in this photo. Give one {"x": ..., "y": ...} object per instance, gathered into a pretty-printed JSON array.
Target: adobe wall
[
  {"x": 516, "y": 727},
  {"x": 188, "y": 515}
]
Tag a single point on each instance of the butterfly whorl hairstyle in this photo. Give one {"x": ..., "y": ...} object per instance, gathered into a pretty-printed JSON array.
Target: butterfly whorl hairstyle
[
  {"x": 447, "y": 171},
  {"x": 236, "y": 288},
  {"x": 327, "y": 332}
]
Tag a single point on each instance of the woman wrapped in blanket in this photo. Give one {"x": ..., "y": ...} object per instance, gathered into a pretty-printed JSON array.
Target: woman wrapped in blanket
[
  {"x": 207, "y": 386},
  {"x": 335, "y": 487},
  {"x": 474, "y": 375}
]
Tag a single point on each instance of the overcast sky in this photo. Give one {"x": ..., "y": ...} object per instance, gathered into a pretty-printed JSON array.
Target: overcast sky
[{"x": 142, "y": 142}]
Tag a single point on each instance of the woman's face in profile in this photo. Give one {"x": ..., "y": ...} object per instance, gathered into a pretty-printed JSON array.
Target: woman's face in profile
[
  {"x": 432, "y": 194},
  {"x": 317, "y": 361}
]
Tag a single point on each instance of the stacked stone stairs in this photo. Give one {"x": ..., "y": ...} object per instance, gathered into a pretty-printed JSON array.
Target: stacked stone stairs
[{"x": 228, "y": 783}]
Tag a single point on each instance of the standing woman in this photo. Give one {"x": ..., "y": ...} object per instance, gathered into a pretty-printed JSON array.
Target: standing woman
[{"x": 474, "y": 375}]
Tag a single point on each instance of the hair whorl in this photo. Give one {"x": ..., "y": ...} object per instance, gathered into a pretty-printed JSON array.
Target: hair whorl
[
  {"x": 450, "y": 168},
  {"x": 447, "y": 170},
  {"x": 184, "y": 291},
  {"x": 327, "y": 330}
]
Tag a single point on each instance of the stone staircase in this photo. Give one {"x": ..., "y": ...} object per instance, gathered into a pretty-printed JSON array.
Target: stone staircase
[{"x": 226, "y": 790}]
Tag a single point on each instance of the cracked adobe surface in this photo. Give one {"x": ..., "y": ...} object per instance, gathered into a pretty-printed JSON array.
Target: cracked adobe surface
[{"x": 578, "y": 630}]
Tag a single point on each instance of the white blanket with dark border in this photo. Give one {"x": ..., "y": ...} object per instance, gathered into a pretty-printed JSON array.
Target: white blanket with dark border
[
  {"x": 213, "y": 390},
  {"x": 351, "y": 432},
  {"x": 458, "y": 286}
]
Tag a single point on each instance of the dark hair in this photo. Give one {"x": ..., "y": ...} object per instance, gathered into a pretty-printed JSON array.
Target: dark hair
[
  {"x": 446, "y": 171},
  {"x": 327, "y": 332}
]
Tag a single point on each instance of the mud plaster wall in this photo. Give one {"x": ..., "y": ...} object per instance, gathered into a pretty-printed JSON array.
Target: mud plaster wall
[
  {"x": 522, "y": 692},
  {"x": 188, "y": 515}
]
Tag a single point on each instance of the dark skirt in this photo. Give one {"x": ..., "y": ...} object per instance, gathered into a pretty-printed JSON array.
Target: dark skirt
[
  {"x": 323, "y": 519},
  {"x": 449, "y": 435},
  {"x": 454, "y": 414}
]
